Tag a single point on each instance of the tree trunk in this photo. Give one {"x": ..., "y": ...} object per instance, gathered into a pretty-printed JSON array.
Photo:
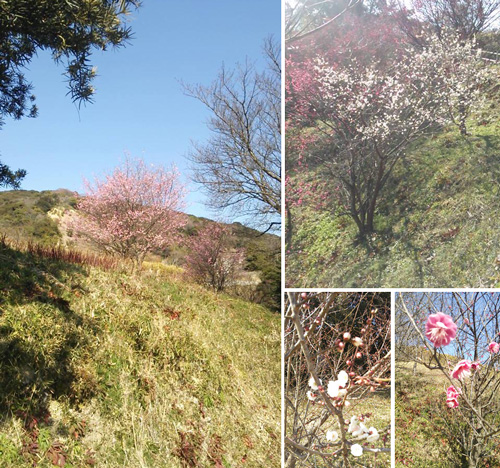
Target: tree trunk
[{"x": 462, "y": 114}]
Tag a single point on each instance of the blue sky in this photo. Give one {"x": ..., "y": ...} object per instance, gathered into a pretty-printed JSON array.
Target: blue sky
[{"x": 139, "y": 106}]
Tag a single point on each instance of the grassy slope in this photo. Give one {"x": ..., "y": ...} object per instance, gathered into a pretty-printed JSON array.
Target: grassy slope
[
  {"x": 132, "y": 371},
  {"x": 420, "y": 441},
  {"x": 436, "y": 227}
]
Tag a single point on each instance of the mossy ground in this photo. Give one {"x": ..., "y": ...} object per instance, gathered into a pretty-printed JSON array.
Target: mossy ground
[
  {"x": 103, "y": 368},
  {"x": 436, "y": 226}
]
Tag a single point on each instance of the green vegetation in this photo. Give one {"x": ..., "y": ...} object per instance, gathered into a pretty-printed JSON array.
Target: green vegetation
[
  {"x": 24, "y": 214},
  {"x": 421, "y": 439},
  {"x": 100, "y": 368},
  {"x": 437, "y": 224}
]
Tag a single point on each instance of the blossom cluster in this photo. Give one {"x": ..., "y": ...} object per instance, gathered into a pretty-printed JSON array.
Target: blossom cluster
[
  {"x": 441, "y": 330},
  {"x": 358, "y": 430}
]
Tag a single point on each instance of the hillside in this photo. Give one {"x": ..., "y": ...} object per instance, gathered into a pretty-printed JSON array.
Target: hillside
[
  {"x": 40, "y": 217},
  {"x": 436, "y": 226},
  {"x": 100, "y": 368}
]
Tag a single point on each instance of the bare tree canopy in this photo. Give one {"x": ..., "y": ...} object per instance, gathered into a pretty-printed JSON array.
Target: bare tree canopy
[
  {"x": 306, "y": 17},
  {"x": 240, "y": 165},
  {"x": 466, "y": 17}
]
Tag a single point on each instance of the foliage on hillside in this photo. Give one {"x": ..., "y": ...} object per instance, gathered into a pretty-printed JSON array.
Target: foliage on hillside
[
  {"x": 23, "y": 213},
  {"x": 98, "y": 368},
  {"x": 437, "y": 226}
]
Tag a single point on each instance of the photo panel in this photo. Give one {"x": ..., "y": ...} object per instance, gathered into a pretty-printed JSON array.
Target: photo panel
[
  {"x": 337, "y": 379},
  {"x": 447, "y": 379},
  {"x": 392, "y": 118}
]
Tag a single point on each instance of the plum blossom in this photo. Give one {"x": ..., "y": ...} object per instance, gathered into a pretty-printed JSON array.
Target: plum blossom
[
  {"x": 311, "y": 396},
  {"x": 357, "y": 341},
  {"x": 357, "y": 450},
  {"x": 337, "y": 388},
  {"x": 373, "y": 435},
  {"x": 493, "y": 347},
  {"x": 451, "y": 402},
  {"x": 452, "y": 397},
  {"x": 361, "y": 431},
  {"x": 332, "y": 436},
  {"x": 440, "y": 329},
  {"x": 343, "y": 378},
  {"x": 333, "y": 388},
  {"x": 354, "y": 424},
  {"x": 462, "y": 369},
  {"x": 475, "y": 365},
  {"x": 312, "y": 383}
]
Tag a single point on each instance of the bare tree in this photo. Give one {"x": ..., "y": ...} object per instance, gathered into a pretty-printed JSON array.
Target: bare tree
[
  {"x": 329, "y": 335},
  {"x": 466, "y": 17},
  {"x": 307, "y": 17},
  {"x": 240, "y": 165}
]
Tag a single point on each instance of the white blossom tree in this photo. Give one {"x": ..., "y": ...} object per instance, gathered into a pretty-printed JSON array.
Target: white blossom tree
[{"x": 368, "y": 115}]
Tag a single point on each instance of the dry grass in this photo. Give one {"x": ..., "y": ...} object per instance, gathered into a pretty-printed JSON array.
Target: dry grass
[{"x": 104, "y": 369}]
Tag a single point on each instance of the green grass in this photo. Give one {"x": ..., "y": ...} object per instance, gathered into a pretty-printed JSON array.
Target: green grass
[
  {"x": 100, "y": 368},
  {"x": 436, "y": 226}
]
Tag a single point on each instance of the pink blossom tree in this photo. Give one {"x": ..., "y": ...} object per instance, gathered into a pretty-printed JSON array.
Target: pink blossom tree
[
  {"x": 213, "y": 260},
  {"x": 132, "y": 211},
  {"x": 459, "y": 333},
  {"x": 337, "y": 355}
]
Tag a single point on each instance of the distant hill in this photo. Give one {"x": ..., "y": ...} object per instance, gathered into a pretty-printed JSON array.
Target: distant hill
[{"x": 40, "y": 216}]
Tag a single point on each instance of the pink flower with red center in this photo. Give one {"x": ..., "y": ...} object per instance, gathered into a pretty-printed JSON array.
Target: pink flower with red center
[
  {"x": 440, "y": 329},
  {"x": 475, "y": 365},
  {"x": 462, "y": 369},
  {"x": 493, "y": 347}
]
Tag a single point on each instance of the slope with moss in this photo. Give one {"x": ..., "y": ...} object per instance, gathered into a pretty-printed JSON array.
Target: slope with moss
[
  {"x": 100, "y": 368},
  {"x": 436, "y": 226}
]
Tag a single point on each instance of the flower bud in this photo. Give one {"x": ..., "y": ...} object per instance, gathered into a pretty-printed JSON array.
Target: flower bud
[
  {"x": 341, "y": 345},
  {"x": 357, "y": 341},
  {"x": 347, "y": 336},
  {"x": 358, "y": 355}
]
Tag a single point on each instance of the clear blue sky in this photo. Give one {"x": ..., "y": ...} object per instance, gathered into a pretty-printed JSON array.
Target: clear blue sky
[{"x": 139, "y": 106}]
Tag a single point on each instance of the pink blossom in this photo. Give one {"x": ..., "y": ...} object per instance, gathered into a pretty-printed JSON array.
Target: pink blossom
[
  {"x": 440, "y": 329},
  {"x": 493, "y": 347},
  {"x": 462, "y": 370},
  {"x": 451, "y": 402},
  {"x": 475, "y": 365},
  {"x": 452, "y": 397}
]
